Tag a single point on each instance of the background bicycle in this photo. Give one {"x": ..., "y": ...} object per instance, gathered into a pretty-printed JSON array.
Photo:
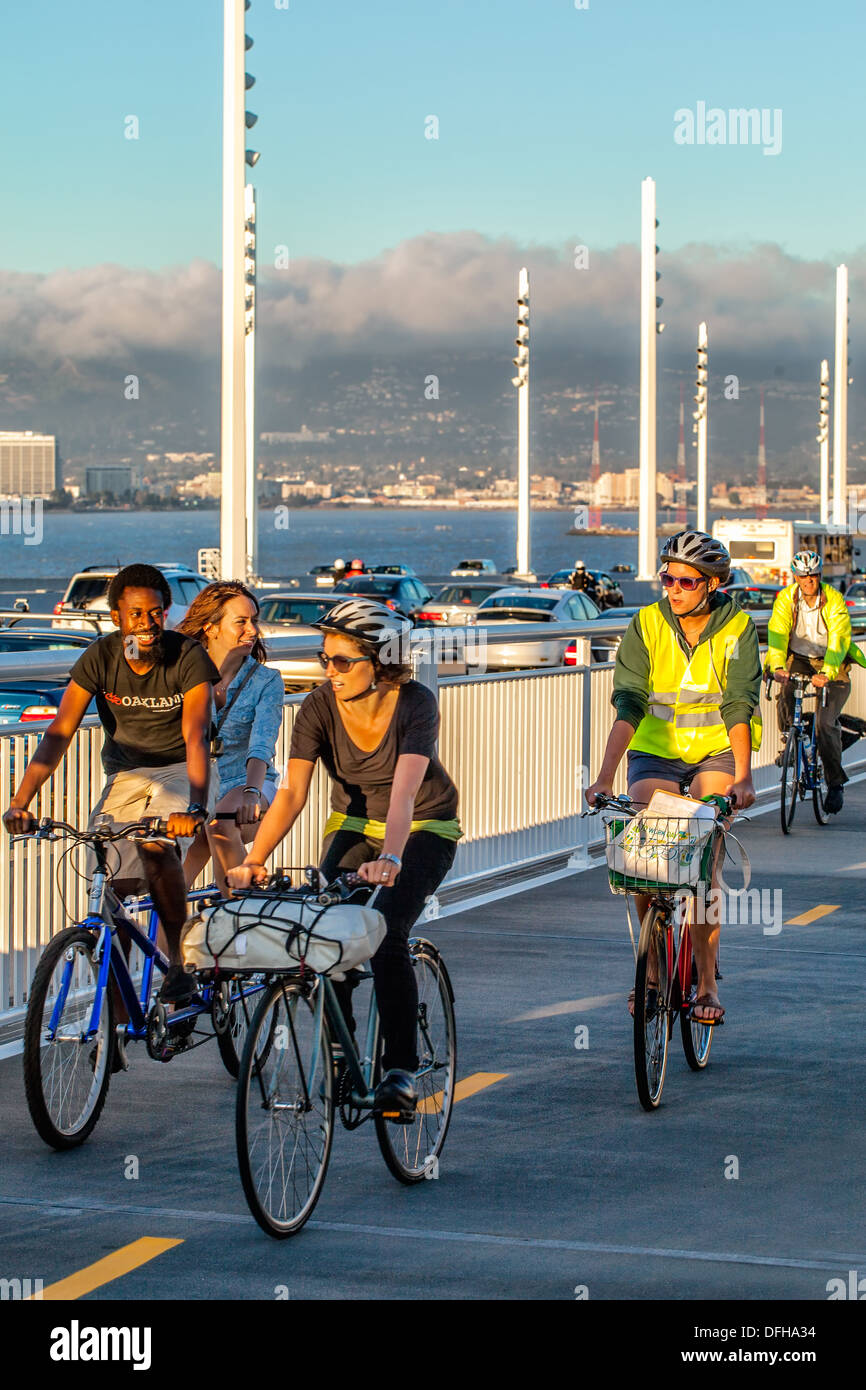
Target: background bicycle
[
  {"x": 69, "y": 1031},
  {"x": 802, "y": 768}
]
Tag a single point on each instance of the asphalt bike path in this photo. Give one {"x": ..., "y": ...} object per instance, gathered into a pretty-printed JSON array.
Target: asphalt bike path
[{"x": 554, "y": 1183}]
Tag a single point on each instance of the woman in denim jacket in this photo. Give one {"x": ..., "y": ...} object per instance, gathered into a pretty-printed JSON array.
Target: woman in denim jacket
[{"x": 224, "y": 618}]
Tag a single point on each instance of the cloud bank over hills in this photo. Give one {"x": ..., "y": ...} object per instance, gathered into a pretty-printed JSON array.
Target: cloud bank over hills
[{"x": 430, "y": 290}]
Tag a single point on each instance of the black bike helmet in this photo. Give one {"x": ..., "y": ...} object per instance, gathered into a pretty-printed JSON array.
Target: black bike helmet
[{"x": 708, "y": 556}]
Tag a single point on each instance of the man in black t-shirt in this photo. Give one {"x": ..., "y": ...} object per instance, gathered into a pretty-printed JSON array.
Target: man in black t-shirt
[{"x": 153, "y": 692}]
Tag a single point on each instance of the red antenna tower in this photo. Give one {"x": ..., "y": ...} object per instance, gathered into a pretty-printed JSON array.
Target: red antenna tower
[
  {"x": 680, "y": 488},
  {"x": 761, "y": 509},
  {"x": 595, "y": 471}
]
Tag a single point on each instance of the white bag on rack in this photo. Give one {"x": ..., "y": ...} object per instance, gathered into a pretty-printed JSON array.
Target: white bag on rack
[
  {"x": 665, "y": 842},
  {"x": 261, "y": 932}
]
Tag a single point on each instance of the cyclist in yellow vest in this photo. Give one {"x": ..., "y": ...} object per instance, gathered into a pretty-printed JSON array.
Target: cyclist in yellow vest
[
  {"x": 809, "y": 634},
  {"x": 686, "y": 691}
]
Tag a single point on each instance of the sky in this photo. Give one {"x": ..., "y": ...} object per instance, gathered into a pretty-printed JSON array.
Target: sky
[{"x": 549, "y": 116}]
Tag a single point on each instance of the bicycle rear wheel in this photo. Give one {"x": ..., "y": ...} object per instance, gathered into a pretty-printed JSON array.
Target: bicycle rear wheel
[
  {"x": 284, "y": 1120},
  {"x": 412, "y": 1151},
  {"x": 819, "y": 791},
  {"x": 790, "y": 788},
  {"x": 651, "y": 1007},
  {"x": 66, "y": 1079}
]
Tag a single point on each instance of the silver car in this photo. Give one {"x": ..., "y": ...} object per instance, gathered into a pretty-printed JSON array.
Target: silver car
[
  {"x": 293, "y": 615},
  {"x": 457, "y": 604},
  {"x": 516, "y": 605}
]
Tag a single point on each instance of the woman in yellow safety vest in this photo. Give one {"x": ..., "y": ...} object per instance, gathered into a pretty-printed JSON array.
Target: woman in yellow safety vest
[{"x": 686, "y": 692}]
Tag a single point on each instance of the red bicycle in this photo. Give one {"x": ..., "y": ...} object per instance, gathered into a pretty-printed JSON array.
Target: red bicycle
[{"x": 665, "y": 974}]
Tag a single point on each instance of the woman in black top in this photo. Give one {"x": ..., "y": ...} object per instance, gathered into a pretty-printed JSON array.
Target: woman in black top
[{"x": 394, "y": 807}]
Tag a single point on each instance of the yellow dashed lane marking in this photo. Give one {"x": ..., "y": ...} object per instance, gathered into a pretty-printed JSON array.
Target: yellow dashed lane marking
[
  {"x": 113, "y": 1266},
  {"x": 812, "y": 915},
  {"x": 469, "y": 1086}
]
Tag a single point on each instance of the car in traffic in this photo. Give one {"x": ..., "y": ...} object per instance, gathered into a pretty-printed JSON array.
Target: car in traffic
[
  {"x": 456, "y": 605},
  {"x": 85, "y": 603},
  {"x": 515, "y": 605},
  {"x": 404, "y": 595},
  {"x": 469, "y": 569},
  {"x": 755, "y": 599},
  {"x": 855, "y": 598},
  {"x": 26, "y": 640},
  {"x": 24, "y": 701},
  {"x": 623, "y": 569},
  {"x": 607, "y": 594},
  {"x": 405, "y": 571},
  {"x": 323, "y": 576}
]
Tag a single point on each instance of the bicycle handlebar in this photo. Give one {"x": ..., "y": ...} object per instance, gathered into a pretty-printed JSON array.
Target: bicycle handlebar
[
  {"x": 149, "y": 827},
  {"x": 603, "y": 802}
]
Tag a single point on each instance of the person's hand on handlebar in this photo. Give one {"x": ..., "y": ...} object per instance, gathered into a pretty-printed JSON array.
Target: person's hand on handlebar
[
  {"x": 19, "y": 821},
  {"x": 183, "y": 824},
  {"x": 246, "y": 874},
  {"x": 820, "y": 680},
  {"x": 377, "y": 871},
  {"x": 741, "y": 793},
  {"x": 781, "y": 675},
  {"x": 599, "y": 787},
  {"x": 250, "y": 809}
]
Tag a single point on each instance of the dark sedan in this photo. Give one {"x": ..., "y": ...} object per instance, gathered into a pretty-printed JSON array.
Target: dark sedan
[{"x": 404, "y": 595}]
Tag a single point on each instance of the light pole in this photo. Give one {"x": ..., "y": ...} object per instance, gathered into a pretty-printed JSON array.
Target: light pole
[
  {"x": 233, "y": 432},
  {"x": 252, "y": 513},
  {"x": 649, "y": 328},
  {"x": 700, "y": 426},
  {"x": 823, "y": 438},
  {"x": 521, "y": 381},
  {"x": 840, "y": 399}
]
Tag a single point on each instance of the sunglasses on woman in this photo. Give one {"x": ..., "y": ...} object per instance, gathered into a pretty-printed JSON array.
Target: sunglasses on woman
[
  {"x": 669, "y": 580},
  {"x": 340, "y": 663}
]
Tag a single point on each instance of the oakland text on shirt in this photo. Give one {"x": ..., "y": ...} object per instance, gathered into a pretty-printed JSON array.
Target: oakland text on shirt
[{"x": 146, "y": 701}]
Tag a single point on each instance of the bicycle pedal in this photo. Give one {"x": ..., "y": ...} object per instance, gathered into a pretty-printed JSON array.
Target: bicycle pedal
[{"x": 399, "y": 1117}]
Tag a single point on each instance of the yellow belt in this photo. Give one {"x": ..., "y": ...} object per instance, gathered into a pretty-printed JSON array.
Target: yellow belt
[{"x": 375, "y": 829}]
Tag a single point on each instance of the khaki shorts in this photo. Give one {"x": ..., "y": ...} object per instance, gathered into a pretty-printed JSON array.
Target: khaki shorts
[{"x": 137, "y": 792}]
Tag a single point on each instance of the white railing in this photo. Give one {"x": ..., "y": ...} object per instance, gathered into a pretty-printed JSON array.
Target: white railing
[{"x": 517, "y": 744}]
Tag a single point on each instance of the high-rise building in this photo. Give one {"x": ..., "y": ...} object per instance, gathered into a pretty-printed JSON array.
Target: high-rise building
[
  {"x": 115, "y": 478},
  {"x": 29, "y": 466}
]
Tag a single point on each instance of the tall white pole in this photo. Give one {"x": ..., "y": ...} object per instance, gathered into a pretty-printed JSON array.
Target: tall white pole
[
  {"x": 824, "y": 441},
  {"x": 647, "y": 549},
  {"x": 701, "y": 413},
  {"x": 521, "y": 381},
  {"x": 251, "y": 500},
  {"x": 232, "y": 443},
  {"x": 840, "y": 400}
]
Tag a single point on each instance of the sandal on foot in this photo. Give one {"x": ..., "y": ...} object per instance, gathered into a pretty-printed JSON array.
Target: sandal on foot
[
  {"x": 705, "y": 1001},
  {"x": 652, "y": 1000}
]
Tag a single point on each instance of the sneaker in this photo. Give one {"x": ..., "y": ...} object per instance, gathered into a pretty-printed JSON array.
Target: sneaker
[
  {"x": 178, "y": 987},
  {"x": 396, "y": 1095},
  {"x": 781, "y": 753},
  {"x": 834, "y": 800},
  {"x": 119, "y": 1059}
]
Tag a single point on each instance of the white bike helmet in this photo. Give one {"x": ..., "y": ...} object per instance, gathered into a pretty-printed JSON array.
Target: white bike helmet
[
  {"x": 807, "y": 562},
  {"x": 708, "y": 556},
  {"x": 366, "y": 621}
]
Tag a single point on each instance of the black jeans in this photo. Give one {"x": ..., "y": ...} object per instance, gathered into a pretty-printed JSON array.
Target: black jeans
[
  {"x": 829, "y": 728},
  {"x": 426, "y": 860}
]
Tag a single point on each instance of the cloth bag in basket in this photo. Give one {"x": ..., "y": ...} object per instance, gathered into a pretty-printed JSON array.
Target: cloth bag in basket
[
  {"x": 263, "y": 933},
  {"x": 665, "y": 842}
]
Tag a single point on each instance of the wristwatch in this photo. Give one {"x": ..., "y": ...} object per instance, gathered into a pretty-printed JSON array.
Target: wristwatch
[
  {"x": 393, "y": 858},
  {"x": 196, "y": 809}
]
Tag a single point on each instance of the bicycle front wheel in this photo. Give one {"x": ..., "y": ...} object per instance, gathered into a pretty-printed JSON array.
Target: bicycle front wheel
[
  {"x": 651, "y": 1007},
  {"x": 66, "y": 1076},
  {"x": 234, "y": 1020},
  {"x": 790, "y": 788},
  {"x": 412, "y": 1151},
  {"x": 819, "y": 791},
  {"x": 285, "y": 1109}
]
